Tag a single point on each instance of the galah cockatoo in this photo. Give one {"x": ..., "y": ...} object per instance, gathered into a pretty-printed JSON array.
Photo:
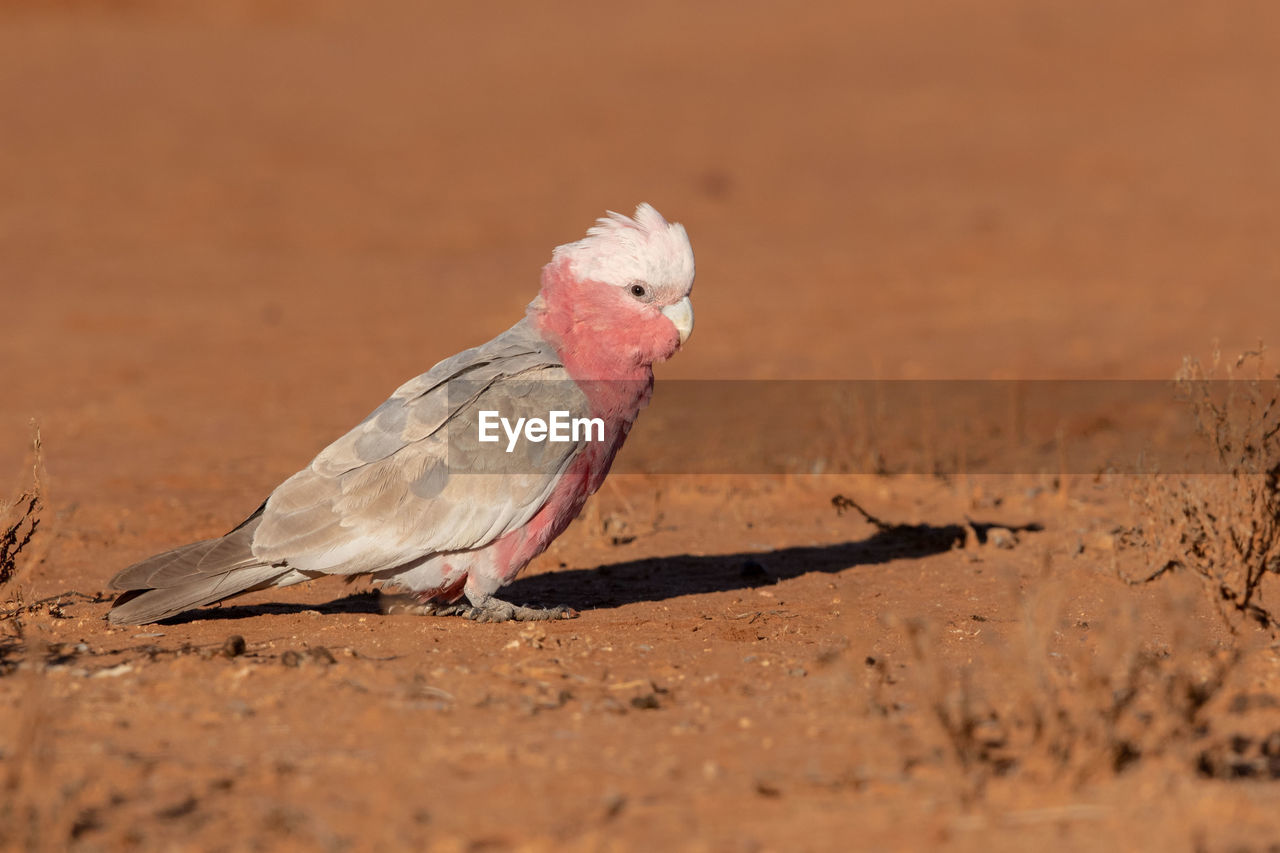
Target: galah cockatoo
[{"x": 417, "y": 496}]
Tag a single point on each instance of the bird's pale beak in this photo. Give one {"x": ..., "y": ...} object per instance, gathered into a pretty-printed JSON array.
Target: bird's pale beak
[{"x": 681, "y": 315}]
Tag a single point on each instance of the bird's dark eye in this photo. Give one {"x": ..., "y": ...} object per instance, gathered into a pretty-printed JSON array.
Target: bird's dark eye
[{"x": 637, "y": 290}]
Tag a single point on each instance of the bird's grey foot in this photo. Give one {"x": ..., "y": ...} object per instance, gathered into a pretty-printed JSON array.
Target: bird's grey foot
[{"x": 487, "y": 608}]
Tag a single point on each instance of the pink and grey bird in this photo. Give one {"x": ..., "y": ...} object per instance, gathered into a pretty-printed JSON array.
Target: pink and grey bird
[{"x": 412, "y": 496}]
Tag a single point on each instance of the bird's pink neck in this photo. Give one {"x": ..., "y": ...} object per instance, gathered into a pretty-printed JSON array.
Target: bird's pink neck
[{"x": 599, "y": 331}]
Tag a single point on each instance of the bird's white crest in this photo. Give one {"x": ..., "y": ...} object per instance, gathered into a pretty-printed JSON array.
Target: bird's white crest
[{"x": 621, "y": 250}]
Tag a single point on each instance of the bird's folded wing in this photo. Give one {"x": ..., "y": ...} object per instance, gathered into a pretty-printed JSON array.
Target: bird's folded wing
[{"x": 414, "y": 478}]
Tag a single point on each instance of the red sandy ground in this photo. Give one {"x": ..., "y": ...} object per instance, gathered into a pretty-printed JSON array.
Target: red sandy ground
[{"x": 226, "y": 235}]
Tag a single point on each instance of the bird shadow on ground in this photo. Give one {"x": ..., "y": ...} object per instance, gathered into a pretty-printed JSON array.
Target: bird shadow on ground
[
  {"x": 360, "y": 602},
  {"x": 661, "y": 578}
]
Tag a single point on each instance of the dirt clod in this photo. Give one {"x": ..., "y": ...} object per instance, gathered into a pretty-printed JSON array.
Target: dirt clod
[
  {"x": 321, "y": 655},
  {"x": 646, "y": 702},
  {"x": 234, "y": 646}
]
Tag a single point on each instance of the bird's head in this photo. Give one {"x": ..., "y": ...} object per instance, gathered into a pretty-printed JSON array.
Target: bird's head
[{"x": 619, "y": 298}]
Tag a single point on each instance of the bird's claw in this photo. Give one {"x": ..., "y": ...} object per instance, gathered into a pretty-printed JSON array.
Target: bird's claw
[
  {"x": 496, "y": 610},
  {"x": 488, "y": 610}
]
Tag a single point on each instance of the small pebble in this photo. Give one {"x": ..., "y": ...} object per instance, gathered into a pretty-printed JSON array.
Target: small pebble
[
  {"x": 1002, "y": 537},
  {"x": 765, "y": 788},
  {"x": 233, "y": 646},
  {"x": 647, "y": 702},
  {"x": 320, "y": 654},
  {"x": 614, "y": 803}
]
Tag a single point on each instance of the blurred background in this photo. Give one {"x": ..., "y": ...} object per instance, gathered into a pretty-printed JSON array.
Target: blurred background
[{"x": 228, "y": 230}]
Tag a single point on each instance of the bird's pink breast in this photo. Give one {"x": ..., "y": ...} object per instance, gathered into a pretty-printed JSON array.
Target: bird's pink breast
[
  {"x": 608, "y": 343},
  {"x": 581, "y": 480}
]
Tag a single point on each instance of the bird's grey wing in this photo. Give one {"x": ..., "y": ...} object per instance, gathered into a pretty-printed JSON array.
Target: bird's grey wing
[
  {"x": 414, "y": 479},
  {"x": 421, "y": 406}
]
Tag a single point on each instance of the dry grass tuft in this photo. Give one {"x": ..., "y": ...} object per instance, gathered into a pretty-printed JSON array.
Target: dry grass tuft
[
  {"x": 25, "y": 819},
  {"x": 1222, "y": 527},
  {"x": 1058, "y": 700},
  {"x": 21, "y": 519},
  {"x": 19, "y": 522}
]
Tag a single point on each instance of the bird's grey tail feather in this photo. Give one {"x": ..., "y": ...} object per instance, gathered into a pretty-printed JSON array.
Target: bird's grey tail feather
[
  {"x": 140, "y": 606},
  {"x": 191, "y": 576}
]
